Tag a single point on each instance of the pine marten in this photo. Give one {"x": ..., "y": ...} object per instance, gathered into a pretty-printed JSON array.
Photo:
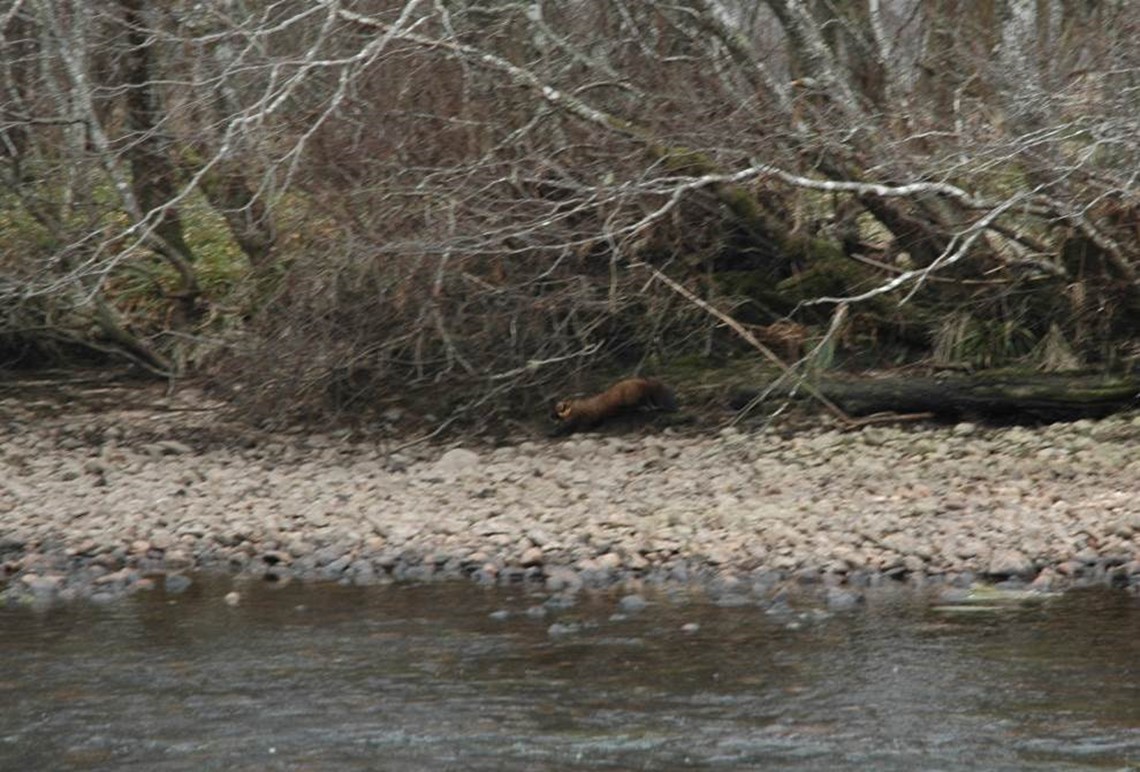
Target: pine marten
[{"x": 624, "y": 396}]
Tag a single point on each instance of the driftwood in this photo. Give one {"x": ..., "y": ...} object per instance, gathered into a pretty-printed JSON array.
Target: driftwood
[{"x": 1012, "y": 397}]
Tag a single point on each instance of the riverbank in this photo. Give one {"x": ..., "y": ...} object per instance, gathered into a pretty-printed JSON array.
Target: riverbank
[{"x": 109, "y": 490}]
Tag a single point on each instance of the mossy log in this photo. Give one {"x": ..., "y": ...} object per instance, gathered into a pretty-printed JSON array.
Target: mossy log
[{"x": 995, "y": 396}]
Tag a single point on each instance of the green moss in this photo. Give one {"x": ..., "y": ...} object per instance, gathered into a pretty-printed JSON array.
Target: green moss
[
  {"x": 21, "y": 236},
  {"x": 821, "y": 249},
  {"x": 687, "y": 367},
  {"x": 220, "y": 262},
  {"x": 742, "y": 203},
  {"x": 828, "y": 275},
  {"x": 682, "y": 160},
  {"x": 743, "y": 283}
]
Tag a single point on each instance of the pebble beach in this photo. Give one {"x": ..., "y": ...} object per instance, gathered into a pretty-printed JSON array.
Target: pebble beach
[{"x": 129, "y": 489}]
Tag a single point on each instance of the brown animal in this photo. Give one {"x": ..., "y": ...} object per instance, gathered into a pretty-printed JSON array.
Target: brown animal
[{"x": 623, "y": 397}]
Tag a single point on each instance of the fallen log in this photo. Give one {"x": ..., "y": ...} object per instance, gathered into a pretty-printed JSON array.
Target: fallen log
[{"x": 995, "y": 396}]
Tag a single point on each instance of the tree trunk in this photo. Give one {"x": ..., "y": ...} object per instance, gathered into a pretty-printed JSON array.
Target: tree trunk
[
  {"x": 228, "y": 186},
  {"x": 153, "y": 176},
  {"x": 1029, "y": 397}
]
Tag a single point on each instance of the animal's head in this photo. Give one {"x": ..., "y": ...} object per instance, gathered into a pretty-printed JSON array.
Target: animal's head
[{"x": 560, "y": 409}]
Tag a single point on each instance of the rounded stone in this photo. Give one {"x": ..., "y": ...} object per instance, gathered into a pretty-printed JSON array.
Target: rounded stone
[{"x": 632, "y": 603}]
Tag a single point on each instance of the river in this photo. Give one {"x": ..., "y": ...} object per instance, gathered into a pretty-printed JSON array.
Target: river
[{"x": 454, "y": 676}]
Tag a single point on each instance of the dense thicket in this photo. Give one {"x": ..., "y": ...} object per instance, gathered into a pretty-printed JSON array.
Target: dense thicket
[{"x": 349, "y": 202}]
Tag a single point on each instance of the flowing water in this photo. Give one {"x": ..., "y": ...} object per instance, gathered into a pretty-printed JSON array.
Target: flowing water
[{"x": 429, "y": 677}]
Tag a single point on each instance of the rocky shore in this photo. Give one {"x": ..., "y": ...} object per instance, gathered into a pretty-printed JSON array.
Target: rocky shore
[{"x": 110, "y": 490}]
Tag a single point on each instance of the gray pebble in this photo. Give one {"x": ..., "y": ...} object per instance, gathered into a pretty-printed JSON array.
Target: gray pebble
[
  {"x": 560, "y": 628},
  {"x": 632, "y": 603},
  {"x": 839, "y": 599},
  {"x": 176, "y": 583}
]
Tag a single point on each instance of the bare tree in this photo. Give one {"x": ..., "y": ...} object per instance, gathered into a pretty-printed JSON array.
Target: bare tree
[{"x": 489, "y": 196}]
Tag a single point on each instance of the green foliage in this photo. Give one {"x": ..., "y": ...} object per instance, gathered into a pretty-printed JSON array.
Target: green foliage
[
  {"x": 20, "y": 236},
  {"x": 683, "y": 160},
  {"x": 766, "y": 302},
  {"x": 829, "y": 275},
  {"x": 219, "y": 262},
  {"x": 981, "y": 343}
]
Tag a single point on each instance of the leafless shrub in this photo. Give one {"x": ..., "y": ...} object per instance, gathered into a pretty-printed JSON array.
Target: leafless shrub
[{"x": 475, "y": 197}]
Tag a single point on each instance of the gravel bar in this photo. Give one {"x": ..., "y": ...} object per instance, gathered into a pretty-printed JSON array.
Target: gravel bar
[{"x": 139, "y": 490}]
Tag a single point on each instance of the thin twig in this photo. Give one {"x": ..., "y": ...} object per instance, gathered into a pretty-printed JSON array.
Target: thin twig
[{"x": 740, "y": 330}]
